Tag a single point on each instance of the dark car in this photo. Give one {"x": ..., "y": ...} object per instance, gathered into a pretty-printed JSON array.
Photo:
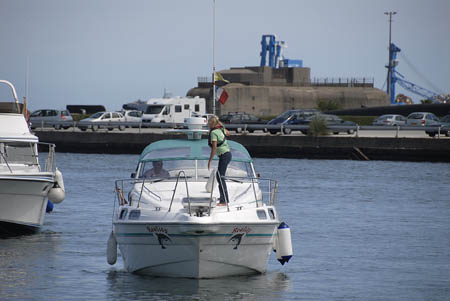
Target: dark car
[
  {"x": 443, "y": 127},
  {"x": 290, "y": 116},
  {"x": 330, "y": 120},
  {"x": 241, "y": 118}
]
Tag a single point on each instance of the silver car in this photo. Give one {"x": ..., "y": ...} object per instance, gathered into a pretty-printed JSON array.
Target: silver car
[
  {"x": 132, "y": 116},
  {"x": 390, "y": 119},
  {"x": 422, "y": 119},
  {"x": 100, "y": 120},
  {"x": 56, "y": 118}
]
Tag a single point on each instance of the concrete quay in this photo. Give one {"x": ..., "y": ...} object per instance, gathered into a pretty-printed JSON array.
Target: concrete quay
[{"x": 265, "y": 146}]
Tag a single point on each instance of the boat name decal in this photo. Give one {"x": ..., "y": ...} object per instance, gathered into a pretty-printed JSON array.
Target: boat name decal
[
  {"x": 160, "y": 234},
  {"x": 238, "y": 234},
  {"x": 156, "y": 229},
  {"x": 245, "y": 230}
]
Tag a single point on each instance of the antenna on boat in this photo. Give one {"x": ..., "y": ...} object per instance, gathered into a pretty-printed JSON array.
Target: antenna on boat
[{"x": 214, "y": 58}]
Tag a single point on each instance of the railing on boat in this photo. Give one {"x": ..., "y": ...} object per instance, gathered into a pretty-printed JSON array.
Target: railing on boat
[
  {"x": 27, "y": 153},
  {"x": 123, "y": 187}
]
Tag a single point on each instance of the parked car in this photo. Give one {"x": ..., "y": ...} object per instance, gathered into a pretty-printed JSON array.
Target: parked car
[
  {"x": 132, "y": 116},
  {"x": 390, "y": 119},
  {"x": 102, "y": 118},
  {"x": 422, "y": 119},
  {"x": 443, "y": 127},
  {"x": 290, "y": 115},
  {"x": 62, "y": 118},
  {"x": 206, "y": 116},
  {"x": 330, "y": 120},
  {"x": 241, "y": 118}
]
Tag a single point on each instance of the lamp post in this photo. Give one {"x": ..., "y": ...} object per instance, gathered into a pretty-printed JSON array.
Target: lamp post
[{"x": 390, "y": 14}]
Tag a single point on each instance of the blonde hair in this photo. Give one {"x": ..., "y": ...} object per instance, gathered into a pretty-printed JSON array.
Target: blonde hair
[{"x": 214, "y": 121}]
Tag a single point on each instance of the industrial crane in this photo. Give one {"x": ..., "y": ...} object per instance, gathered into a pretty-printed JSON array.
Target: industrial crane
[
  {"x": 272, "y": 50},
  {"x": 395, "y": 77}
]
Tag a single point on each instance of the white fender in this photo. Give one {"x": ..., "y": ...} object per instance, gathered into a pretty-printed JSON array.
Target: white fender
[
  {"x": 284, "y": 243},
  {"x": 57, "y": 193},
  {"x": 111, "y": 249}
]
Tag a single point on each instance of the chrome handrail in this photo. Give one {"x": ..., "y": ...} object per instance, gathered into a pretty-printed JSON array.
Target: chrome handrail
[
  {"x": 267, "y": 191},
  {"x": 175, "y": 190}
]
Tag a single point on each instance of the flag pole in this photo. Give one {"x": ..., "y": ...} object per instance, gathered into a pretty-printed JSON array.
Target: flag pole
[{"x": 214, "y": 58}]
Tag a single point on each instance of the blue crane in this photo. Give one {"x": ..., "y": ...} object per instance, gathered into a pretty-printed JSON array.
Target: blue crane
[
  {"x": 395, "y": 77},
  {"x": 272, "y": 50}
]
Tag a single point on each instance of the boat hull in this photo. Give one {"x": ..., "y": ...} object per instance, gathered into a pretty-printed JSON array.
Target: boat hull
[
  {"x": 195, "y": 250},
  {"x": 23, "y": 200}
]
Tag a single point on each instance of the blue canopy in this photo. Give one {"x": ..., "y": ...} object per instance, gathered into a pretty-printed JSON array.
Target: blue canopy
[{"x": 181, "y": 149}]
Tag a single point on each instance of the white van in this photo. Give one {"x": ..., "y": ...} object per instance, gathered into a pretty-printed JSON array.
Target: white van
[{"x": 172, "y": 110}]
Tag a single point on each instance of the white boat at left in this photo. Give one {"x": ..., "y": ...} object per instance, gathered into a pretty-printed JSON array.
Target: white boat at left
[{"x": 25, "y": 185}]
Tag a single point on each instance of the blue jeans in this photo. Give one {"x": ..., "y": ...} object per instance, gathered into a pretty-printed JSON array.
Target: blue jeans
[{"x": 224, "y": 160}]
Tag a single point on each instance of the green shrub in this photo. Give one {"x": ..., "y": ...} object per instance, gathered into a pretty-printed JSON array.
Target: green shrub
[{"x": 318, "y": 127}]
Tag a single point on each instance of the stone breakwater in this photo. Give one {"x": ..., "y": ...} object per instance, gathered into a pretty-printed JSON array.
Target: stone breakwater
[{"x": 265, "y": 146}]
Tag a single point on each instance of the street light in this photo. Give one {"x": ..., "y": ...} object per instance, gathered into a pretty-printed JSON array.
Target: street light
[{"x": 390, "y": 14}]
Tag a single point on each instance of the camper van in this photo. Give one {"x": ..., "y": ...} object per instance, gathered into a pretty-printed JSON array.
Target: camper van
[{"x": 171, "y": 110}]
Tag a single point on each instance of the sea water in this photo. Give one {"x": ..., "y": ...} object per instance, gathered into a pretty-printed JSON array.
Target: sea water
[{"x": 361, "y": 230}]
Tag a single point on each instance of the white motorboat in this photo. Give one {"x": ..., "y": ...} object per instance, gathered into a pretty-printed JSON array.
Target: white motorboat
[
  {"x": 25, "y": 187},
  {"x": 169, "y": 225}
]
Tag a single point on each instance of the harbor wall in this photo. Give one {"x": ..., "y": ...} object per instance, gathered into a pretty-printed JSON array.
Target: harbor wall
[{"x": 265, "y": 146}]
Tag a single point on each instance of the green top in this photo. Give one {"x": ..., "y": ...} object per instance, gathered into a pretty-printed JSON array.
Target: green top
[
  {"x": 218, "y": 136},
  {"x": 182, "y": 149}
]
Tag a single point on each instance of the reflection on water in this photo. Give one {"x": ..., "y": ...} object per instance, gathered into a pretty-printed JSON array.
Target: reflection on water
[
  {"x": 24, "y": 260},
  {"x": 126, "y": 286}
]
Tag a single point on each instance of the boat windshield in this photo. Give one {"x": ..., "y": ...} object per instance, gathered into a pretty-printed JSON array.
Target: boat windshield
[
  {"x": 197, "y": 169},
  {"x": 17, "y": 153},
  {"x": 192, "y": 157}
]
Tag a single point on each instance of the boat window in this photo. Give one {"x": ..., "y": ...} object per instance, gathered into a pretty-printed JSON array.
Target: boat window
[
  {"x": 206, "y": 150},
  {"x": 22, "y": 153},
  {"x": 123, "y": 213},
  {"x": 168, "y": 153},
  {"x": 134, "y": 214},
  {"x": 271, "y": 213},
  {"x": 261, "y": 214},
  {"x": 171, "y": 167},
  {"x": 237, "y": 154},
  {"x": 239, "y": 169}
]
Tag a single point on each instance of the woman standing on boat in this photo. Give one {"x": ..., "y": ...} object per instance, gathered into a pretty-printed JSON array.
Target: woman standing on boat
[{"x": 218, "y": 143}]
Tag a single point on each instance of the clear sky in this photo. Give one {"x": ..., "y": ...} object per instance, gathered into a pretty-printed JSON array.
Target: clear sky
[{"x": 112, "y": 52}]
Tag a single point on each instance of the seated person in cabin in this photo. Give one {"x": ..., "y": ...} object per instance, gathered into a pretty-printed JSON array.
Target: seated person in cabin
[{"x": 157, "y": 171}]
